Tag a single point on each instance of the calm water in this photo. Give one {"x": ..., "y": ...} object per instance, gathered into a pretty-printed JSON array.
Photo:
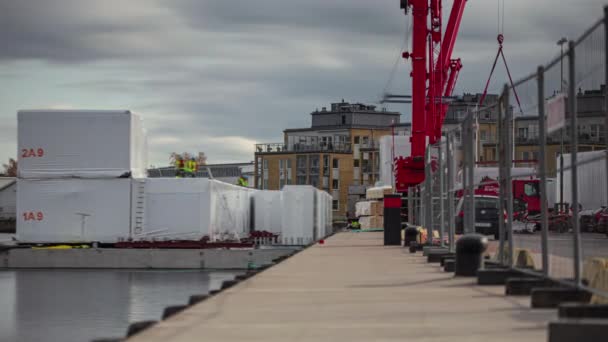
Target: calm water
[{"x": 79, "y": 305}]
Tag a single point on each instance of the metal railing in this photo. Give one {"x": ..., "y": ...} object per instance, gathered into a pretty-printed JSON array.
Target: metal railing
[
  {"x": 555, "y": 245},
  {"x": 303, "y": 147}
]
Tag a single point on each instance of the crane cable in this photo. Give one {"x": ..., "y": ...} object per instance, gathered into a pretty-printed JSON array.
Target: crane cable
[
  {"x": 404, "y": 46},
  {"x": 500, "y": 53}
]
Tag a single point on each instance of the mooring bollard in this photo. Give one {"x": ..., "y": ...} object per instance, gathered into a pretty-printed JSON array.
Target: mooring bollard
[{"x": 469, "y": 254}]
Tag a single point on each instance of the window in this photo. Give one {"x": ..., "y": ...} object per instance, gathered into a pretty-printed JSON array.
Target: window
[
  {"x": 535, "y": 155},
  {"x": 365, "y": 140},
  {"x": 281, "y": 164},
  {"x": 483, "y": 135},
  {"x": 531, "y": 189},
  {"x": 344, "y": 119},
  {"x": 336, "y": 163},
  {"x": 265, "y": 164},
  {"x": 335, "y": 184},
  {"x": 335, "y": 205},
  {"x": 301, "y": 180},
  {"x": 301, "y": 162},
  {"x": 522, "y": 132},
  {"x": 357, "y": 139},
  {"x": 356, "y": 162},
  {"x": 281, "y": 183},
  {"x": 289, "y": 163},
  {"x": 525, "y": 155},
  {"x": 265, "y": 186}
]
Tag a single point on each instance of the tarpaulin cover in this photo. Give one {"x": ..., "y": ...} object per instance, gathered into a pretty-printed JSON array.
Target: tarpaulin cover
[
  {"x": 268, "y": 211},
  {"x": 191, "y": 208},
  {"x": 299, "y": 220},
  {"x": 402, "y": 149},
  {"x": 82, "y": 144},
  {"x": 324, "y": 216},
  {"x": 73, "y": 210},
  {"x": 173, "y": 208}
]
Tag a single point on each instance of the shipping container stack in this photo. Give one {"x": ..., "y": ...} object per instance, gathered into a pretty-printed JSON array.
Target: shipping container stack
[
  {"x": 82, "y": 179},
  {"x": 74, "y": 174}
]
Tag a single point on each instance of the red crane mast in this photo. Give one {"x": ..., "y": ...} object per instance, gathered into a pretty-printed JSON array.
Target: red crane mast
[{"x": 434, "y": 75}]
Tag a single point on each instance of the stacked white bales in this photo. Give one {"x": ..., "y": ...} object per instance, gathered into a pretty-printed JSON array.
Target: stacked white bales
[{"x": 74, "y": 174}]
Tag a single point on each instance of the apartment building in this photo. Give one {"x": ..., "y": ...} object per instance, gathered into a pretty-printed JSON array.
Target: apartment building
[{"x": 338, "y": 150}]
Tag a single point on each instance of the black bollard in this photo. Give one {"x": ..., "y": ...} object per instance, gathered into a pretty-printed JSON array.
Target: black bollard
[
  {"x": 469, "y": 254},
  {"x": 392, "y": 220},
  {"x": 410, "y": 235}
]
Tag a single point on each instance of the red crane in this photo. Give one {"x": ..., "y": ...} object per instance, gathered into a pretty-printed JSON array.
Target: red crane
[{"x": 434, "y": 74}]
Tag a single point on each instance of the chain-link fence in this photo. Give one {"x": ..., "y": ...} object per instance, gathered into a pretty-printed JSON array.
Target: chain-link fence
[{"x": 539, "y": 187}]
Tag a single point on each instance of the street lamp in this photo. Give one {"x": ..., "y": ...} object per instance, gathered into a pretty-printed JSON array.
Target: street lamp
[{"x": 561, "y": 43}]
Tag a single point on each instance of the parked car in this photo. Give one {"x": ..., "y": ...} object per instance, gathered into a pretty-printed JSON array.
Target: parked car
[
  {"x": 486, "y": 215},
  {"x": 588, "y": 219}
]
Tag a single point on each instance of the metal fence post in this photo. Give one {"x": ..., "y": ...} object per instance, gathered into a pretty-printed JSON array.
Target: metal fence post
[
  {"x": 501, "y": 183},
  {"x": 544, "y": 222},
  {"x": 507, "y": 171},
  {"x": 606, "y": 87},
  {"x": 428, "y": 189},
  {"x": 410, "y": 205},
  {"x": 469, "y": 166},
  {"x": 450, "y": 187},
  {"x": 573, "y": 160},
  {"x": 441, "y": 193}
]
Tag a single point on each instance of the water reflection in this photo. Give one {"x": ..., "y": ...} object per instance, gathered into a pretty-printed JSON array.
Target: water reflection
[{"x": 79, "y": 305}]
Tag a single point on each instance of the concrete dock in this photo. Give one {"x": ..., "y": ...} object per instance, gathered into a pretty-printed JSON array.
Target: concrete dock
[
  {"x": 90, "y": 258},
  {"x": 353, "y": 289}
]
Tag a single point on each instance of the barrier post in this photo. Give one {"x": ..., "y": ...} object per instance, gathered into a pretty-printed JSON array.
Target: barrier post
[
  {"x": 501, "y": 182},
  {"x": 508, "y": 129},
  {"x": 450, "y": 186},
  {"x": 428, "y": 191},
  {"x": 441, "y": 193},
  {"x": 573, "y": 160},
  {"x": 542, "y": 135}
]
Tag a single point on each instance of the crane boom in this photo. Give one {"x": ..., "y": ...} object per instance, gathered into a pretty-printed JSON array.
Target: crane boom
[{"x": 434, "y": 75}]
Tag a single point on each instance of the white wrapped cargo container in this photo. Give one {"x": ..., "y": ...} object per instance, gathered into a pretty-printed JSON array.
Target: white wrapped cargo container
[
  {"x": 267, "y": 211},
  {"x": 324, "y": 214},
  {"x": 73, "y": 210},
  {"x": 81, "y": 144},
  {"x": 171, "y": 208},
  {"x": 591, "y": 174},
  {"x": 402, "y": 149},
  {"x": 230, "y": 210},
  {"x": 189, "y": 209},
  {"x": 298, "y": 219}
]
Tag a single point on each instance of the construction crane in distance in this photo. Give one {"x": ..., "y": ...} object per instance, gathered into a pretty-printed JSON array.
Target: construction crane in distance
[{"x": 434, "y": 75}]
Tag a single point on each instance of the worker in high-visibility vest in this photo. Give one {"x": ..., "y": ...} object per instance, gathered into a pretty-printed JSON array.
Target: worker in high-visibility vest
[
  {"x": 187, "y": 168},
  {"x": 193, "y": 165},
  {"x": 179, "y": 166},
  {"x": 242, "y": 181}
]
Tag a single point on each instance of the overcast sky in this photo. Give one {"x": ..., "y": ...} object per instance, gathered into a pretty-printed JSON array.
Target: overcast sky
[{"x": 220, "y": 75}]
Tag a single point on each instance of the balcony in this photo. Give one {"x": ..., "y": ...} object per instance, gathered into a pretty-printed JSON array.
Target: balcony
[
  {"x": 583, "y": 138},
  {"x": 303, "y": 148},
  {"x": 369, "y": 146}
]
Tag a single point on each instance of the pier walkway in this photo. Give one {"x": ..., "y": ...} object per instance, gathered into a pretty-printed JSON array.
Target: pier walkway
[{"x": 354, "y": 289}]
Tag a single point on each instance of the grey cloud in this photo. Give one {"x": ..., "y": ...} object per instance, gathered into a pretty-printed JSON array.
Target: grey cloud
[{"x": 204, "y": 70}]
